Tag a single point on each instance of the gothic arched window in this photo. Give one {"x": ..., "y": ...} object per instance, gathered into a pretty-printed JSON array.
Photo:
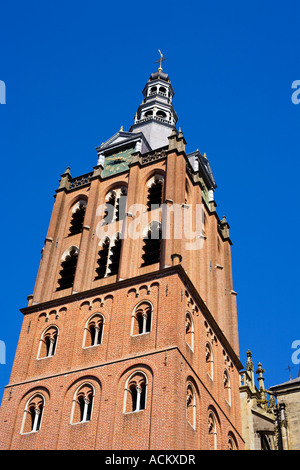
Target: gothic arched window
[
  {"x": 227, "y": 387},
  {"x": 212, "y": 431},
  {"x": 68, "y": 268},
  {"x": 189, "y": 330},
  {"x": 93, "y": 331},
  {"x": 109, "y": 257},
  {"x": 135, "y": 392},
  {"x": 78, "y": 213},
  {"x": 231, "y": 443},
  {"x": 155, "y": 192},
  {"x": 33, "y": 414},
  {"x": 209, "y": 360},
  {"x": 114, "y": 255},
  {"x": 191, "y": 411},
  {"x": 82, "y": 404},
  {"x": 152, "y": 244},
  {"x": 115, "y": 207},
  {"x": 141, "y": 319},
  {"x": 48, "y": 342},
  {"x": 102, "y": 259}
]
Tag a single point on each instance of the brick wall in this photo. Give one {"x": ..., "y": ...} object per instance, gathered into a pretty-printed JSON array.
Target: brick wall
[{"x": 162, "y": 354}]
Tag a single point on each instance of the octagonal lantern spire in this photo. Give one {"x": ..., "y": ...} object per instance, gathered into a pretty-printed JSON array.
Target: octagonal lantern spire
[{"x": 156, "y": 116}]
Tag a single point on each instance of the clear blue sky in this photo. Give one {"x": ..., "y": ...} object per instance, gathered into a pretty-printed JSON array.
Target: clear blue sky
[{"x": 74, "y": 73}]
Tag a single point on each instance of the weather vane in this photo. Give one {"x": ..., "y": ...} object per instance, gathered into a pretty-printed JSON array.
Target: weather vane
[{"x": 162, "y": 58}]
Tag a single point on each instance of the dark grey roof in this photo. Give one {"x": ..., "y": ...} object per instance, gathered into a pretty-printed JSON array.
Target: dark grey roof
[
  {"x": 159, "y": 74},
  {"x": 120, "y": 139},
  {"x": 204, "y": 168},
  {"x": 288, "y": 384}
]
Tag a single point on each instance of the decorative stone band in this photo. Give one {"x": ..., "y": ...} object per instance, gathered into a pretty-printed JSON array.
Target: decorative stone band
[
  {"x": 150, "y": 157},
  {"x": 80, "y": 181}
]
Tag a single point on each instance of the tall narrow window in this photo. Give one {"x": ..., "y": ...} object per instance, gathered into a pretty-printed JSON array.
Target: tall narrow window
[
  {"x": 48, "y": 342},
  {"x": 152, "y": 244},
  {"x": 227, "y": 387},
  {"x": 33, "y": 414},
  {"x": 212, "y": 431},
  {"x": 191, "y": 405},
  {"x": 114, "y": 256},
  {"x": 78, "y": 213},
  {"x": 115, "y": 208},
  {"x": 102, "y": 259},
  {"x": 189, "y": 330},
  {"x": 135, "y": 393},
  {"x": 68, "y": 269},
  {"x": 110, "y": 207},
  {"x": 155, "y": 192},
  {"x": 82, "y": 404},
  {"x": 120, "y": 207},
  {"x": 231, "y": 443},
  {"x": 209, "y": 360},
  {"x": 109, "y": 257},
  {"x": 142, "y": 318},
  {"x": 93, "y": 331}
]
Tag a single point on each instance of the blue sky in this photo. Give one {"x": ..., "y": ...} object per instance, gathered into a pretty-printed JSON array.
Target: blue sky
[{"x": 74, "y": 73}]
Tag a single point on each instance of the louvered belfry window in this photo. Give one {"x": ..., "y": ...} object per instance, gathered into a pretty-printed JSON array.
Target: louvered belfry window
[
  {"x": 114, "y": 258},
  {"x": 68, "y": 269},
  {"x": 76, "y": 225},
  {"x": 109, "y": 257},
  {"x": 152, "y": 244},
  {"x": 102, "y": 260},
  {"x": 155, "y": 194}
]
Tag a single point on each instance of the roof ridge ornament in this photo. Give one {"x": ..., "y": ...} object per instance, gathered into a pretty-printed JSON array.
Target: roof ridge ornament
[{"x": 162, "y": 58}]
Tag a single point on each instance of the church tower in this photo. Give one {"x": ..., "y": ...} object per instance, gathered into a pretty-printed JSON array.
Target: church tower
[{"x": 130, "y": 337}]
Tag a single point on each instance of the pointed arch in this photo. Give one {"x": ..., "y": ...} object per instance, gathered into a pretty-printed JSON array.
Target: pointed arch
[
  {"x": 82, "y": 406},
  {"x": 135, "y": 394},
  {"x": 109, "y": 256},
  {"x": 189, "y": 330},
  {"x": 114, "y": 255},
  {"x": 209, "y": 360},
  {"x": 231, "y": 442},
  {"x": 115, "y": 205},
  {"x": 77, "y": 218},
  {"x": 102, "y": 259},
  {"x": 227, "y": 386},
  {"x": 191, "y": 405},
  {"x": 142, "y": 318},
  {"x": 68, "y": 268},
  {"x": 93, "y": 331},
  {"x": 212, "y": 431},
  {"x": 33, "y": 414},
  {"x": 48, "y": 342},
  {"x": 155, "y": 191}
]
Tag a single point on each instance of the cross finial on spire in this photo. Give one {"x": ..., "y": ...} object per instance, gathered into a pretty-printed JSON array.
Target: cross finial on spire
[{"x": 162, "y": 58}]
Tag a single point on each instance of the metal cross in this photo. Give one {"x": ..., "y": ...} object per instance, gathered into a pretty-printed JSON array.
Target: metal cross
[
  {"x": 162, "y": 58},
  {"x": 289, "y": 368}
]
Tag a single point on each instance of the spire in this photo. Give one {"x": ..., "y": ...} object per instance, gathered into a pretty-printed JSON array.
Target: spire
[
  {"x": 156, "y": 116},
  {"x": 250, "y": 368},
  {"x": 262, "y": 401}
]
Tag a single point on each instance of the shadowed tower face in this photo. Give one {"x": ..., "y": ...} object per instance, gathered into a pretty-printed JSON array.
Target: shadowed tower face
[{"x": 129, "y": 339}]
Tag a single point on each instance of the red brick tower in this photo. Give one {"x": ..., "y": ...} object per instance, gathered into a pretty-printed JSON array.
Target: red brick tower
[{"x": 130, "y": 338}]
